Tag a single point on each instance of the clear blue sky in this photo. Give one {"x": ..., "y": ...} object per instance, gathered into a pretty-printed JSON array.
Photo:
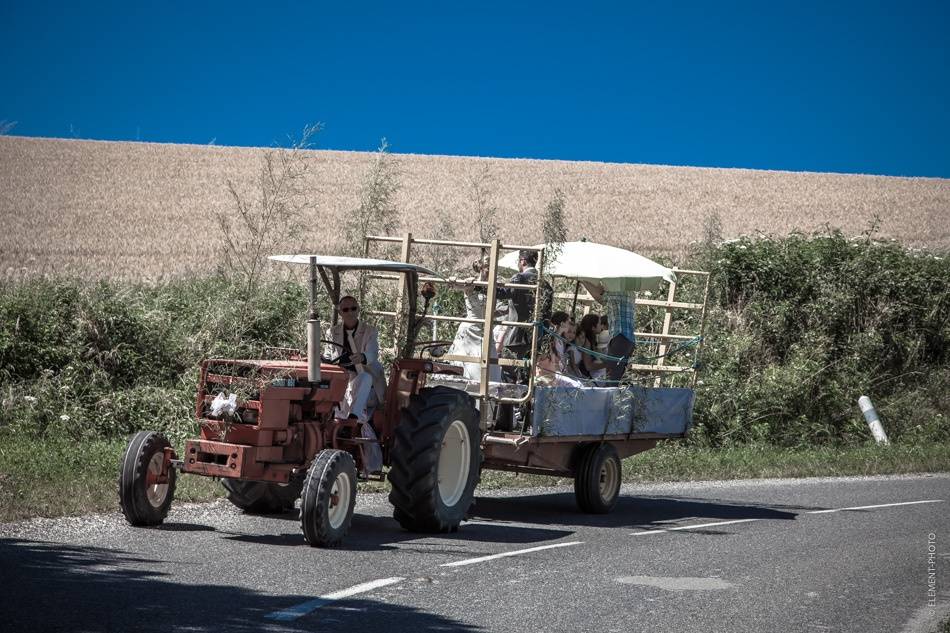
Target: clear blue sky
[{"x": 847, "y": 87}]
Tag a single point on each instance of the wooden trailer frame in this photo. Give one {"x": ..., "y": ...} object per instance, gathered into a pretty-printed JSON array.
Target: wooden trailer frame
[{"x": 519, "y": 451}]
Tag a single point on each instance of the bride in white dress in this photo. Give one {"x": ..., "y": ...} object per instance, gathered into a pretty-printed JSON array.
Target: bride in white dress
[{"x": 468, "y": 338}]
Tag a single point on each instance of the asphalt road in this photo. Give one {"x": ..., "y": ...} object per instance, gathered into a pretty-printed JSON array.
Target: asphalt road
[{"x": 767, "y": 555}]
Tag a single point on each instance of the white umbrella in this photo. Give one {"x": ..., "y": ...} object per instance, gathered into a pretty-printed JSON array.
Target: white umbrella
[{"x": 589, "y": 261}]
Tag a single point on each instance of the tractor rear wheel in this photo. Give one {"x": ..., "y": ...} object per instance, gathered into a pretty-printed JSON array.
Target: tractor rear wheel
[
  {"x": 144, "y": 500},
  {"x": 258, "y": 497},
  {"x": 597, "y": 479},
  {"x": 436, "y": 458},
  {"x": 328, "y": 498}
]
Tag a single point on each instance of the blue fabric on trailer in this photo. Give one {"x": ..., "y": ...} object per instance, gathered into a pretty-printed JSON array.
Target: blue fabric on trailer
[{"x": 566, "y": 411}]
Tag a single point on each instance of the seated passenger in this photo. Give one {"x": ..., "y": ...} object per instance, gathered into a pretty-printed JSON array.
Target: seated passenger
[
  {"x": 556, "y": 367},
  {"x": 588, "y": 337}
]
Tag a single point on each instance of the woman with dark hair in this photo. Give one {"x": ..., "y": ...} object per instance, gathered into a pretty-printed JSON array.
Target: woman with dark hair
[
  {"x": 587, "y": 332},
  {"x": 556, "y": 367}
]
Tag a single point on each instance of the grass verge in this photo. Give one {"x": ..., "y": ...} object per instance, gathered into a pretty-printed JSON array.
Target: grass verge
[{"x": 51, "y": 478}]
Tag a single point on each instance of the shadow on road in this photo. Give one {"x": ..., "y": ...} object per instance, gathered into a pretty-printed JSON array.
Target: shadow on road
[
  {"x": 377, "y": 533},
  {"x": 631, "y": 512},
  {"x": 518, "y": 520},
  {"x": 55, "y": 587}
]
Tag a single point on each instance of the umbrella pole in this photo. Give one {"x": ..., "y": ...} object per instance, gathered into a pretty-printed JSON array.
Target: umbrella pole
[{"x": 577, "y": 287}]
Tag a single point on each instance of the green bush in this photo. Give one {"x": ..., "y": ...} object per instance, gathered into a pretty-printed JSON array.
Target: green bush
[
  {"x": 802, "y": 326},
  {"x": 84, "y": 360}
]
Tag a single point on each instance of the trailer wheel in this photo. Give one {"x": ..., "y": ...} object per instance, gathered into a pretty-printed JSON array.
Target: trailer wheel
[
  {"x": 329, "y": 495},
  {"x": 258, "y": 497},
  {"x": 143, "y": 500},
  {"x": 436, "y": 457},
  {"x": 597, "y": 479}
]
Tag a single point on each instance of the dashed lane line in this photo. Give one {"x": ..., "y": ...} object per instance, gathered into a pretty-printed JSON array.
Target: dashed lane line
[
  {"x": 518, "y": 552},
  {"x": 880, "y": 505},
  {"x": 829, "y": 511},
  {"x": 692, "y": 527},
  {"x": 292, "y": 613},
  {"x": 300, "y": 610}
]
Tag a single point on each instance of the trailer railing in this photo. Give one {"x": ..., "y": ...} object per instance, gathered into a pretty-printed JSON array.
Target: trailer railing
[
  {"x": 667, "y": 342},
  {"x": 488, "y": 321}
]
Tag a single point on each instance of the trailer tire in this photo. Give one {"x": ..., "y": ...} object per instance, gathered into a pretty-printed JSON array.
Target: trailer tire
[
  {"x": 144, "y": 503},
  {"x": 435, "y": 461},
  {"x": 328, "y": 498},
  {"x": 259, "y": 497},
  {"x": 597, "y": 479}
]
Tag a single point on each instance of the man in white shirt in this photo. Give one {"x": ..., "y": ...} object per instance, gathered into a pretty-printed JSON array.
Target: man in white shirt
[{"x": 357, "y": 348}]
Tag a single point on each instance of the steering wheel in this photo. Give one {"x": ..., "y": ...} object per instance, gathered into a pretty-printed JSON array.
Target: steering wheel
[
  {"x": 432, "y": 346},
  {"x": 332, "y": 361}
]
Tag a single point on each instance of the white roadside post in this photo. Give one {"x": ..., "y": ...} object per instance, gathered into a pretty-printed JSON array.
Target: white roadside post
[
  {"x": 874, "y": 422},
  {"x": 313, "y": 329}
]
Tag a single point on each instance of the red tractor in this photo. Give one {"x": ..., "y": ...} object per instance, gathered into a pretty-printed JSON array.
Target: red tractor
[
  {"x": 279, "y": 440},
  {"x": 269, "y": 429}
]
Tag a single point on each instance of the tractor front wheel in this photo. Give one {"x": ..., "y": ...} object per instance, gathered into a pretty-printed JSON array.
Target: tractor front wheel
[
  {"x": 328, "y": 498},
  {"x": 597, "y": 479},
  {"x": 436, "y": 458},
  {"x": 144, "y": 499}
]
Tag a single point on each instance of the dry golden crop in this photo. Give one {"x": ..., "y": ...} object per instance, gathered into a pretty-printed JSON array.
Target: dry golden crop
[{"x": 143, "y": 210}]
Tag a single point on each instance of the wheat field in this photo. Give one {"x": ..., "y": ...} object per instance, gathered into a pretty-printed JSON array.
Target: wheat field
[{"x": 146, "y": 210}]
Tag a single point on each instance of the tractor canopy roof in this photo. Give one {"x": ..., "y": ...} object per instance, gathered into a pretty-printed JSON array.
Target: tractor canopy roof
[{"x": 354, "y": 263}]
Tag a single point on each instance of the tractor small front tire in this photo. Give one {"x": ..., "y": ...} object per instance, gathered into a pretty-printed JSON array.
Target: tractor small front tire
[
  {"x": 259, "y": 497},
  {"x": 143, "y": 501},
  {"x": 436, "y": 459},
  {"x": 328, "y": 498},
  {"x": 597, "y": 479}
]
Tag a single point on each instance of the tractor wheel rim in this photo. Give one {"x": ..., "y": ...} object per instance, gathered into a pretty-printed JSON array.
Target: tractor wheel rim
[
  {"x": 341, "y": 491},
  {"x": 156, "y": 493},
  {"x": 609, "y": 477},
  {"x": 454, "y": 463}
]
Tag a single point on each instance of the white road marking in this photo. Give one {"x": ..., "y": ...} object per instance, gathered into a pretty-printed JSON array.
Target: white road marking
[
  {"x": 704, "y": 525},
  {"x": 481, "y": 559},
  {"x": 303, "y": 609},
  {"x": 687, "y": 583},
  {"x": 519, "y": 524},
  {"x": 880, "y": 505},
  {"x": 692, "y": 527}
]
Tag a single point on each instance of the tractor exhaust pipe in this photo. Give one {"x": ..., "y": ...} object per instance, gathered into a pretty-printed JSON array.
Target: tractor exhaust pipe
[
  {"x": 313, "y": 350},
  {"x": 313, "y": 329}
]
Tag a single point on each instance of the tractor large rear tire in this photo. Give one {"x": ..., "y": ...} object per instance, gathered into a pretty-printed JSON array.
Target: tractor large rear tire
[
  {"x": 143, "y": 501},
  {"x": 597, "y": 479},
  {"x": 258, "y": 497},
  {"x": 436, "y": 459}
]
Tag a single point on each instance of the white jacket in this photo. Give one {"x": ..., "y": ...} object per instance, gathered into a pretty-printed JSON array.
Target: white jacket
[{"x": 364, "y": 340}]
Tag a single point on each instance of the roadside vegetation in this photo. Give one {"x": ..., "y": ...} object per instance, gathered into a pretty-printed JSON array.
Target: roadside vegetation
[{"x": 799, "y": 327}]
